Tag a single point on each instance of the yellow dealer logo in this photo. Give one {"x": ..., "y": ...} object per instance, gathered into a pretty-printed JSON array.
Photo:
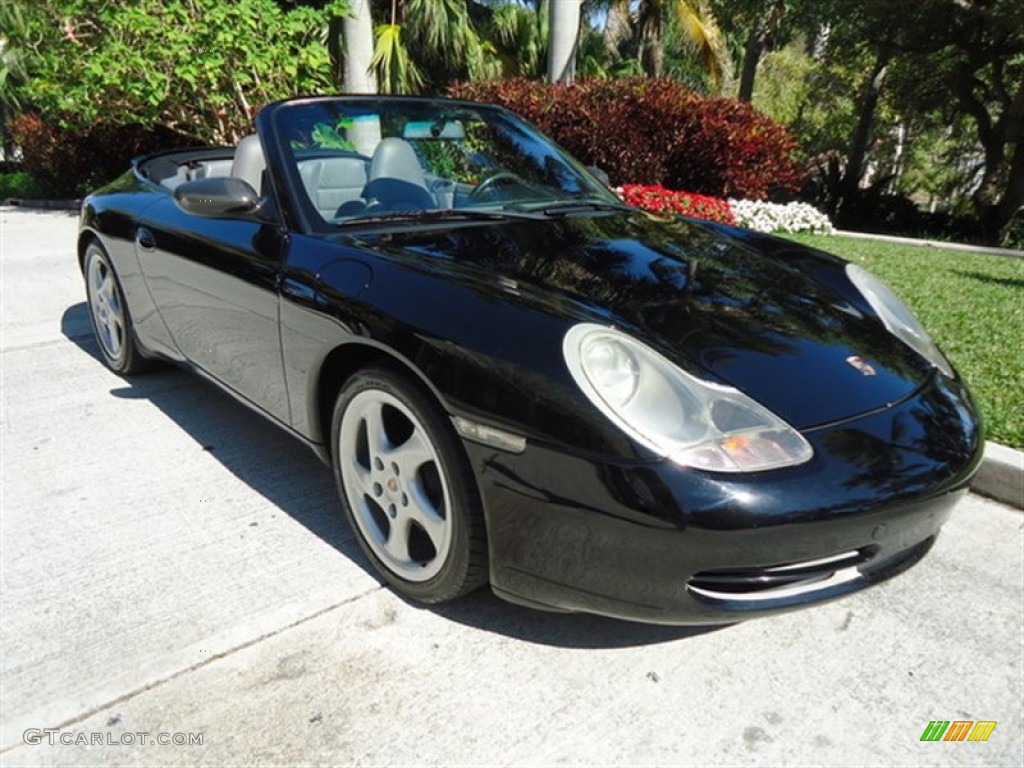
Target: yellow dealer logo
[{"x": 958, "y": 730}]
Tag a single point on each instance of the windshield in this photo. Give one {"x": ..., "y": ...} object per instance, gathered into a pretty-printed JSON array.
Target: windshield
[{"x": 352, "y": 159}]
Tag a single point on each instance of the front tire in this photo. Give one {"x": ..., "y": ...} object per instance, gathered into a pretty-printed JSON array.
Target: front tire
[
  {"x": 108, "y": 314},
  {"x": 406, "y": 487}
]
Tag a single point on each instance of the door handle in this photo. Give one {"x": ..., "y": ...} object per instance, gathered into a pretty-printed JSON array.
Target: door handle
[{"x": 144, "y": 239}]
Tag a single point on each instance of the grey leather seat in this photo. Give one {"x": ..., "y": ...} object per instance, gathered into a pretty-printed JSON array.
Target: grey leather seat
[
  {"x": 397, "y": 181},
  {"x": 249, "y": 162},
  {"x": 395, "y": 158},
  {"x": 213, "y": 168},
  {"x": 331, "y": 182}
]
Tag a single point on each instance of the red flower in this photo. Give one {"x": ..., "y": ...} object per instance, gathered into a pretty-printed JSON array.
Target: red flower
[{"x": 658, "y": 199}]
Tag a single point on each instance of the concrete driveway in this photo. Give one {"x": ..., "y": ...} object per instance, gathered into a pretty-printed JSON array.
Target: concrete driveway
[{"x": 174, "y": 568}]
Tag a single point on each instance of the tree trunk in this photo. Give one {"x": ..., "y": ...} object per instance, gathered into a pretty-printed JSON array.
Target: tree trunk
[
  {"x": 650, "y": 34},
  {"x": 616, "y": 26},
  {"x": 336, "y": 51},
  {"x": 751, "y": 57},
  {"x": 861, "y": 139},
  {"x": 652, "y": 55},
  {"x": 564, "y": 40},
  {"x": 818, "y": 47},
  {"x": 357, "y": 32},
  {"x": 760, "y": 38},
  {"x": 1001, "y": 192}
]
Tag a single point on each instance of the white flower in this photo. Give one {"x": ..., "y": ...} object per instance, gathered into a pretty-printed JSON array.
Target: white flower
[{"x": 772, "y": 217}]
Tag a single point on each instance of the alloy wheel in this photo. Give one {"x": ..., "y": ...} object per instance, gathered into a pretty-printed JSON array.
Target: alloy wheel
[
  {"x": 105, "y": 306},
  {"x": 396, "y": 485}
]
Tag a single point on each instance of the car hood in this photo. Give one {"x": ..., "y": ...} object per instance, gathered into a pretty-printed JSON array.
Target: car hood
[{"x": 775, "y": 320}]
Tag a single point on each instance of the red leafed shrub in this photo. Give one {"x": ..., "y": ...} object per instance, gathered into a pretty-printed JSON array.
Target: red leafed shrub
[
  {"x": 51, "y": 156},
  {"x": 655, "y": 130},
  {"x": 67, "y": 162},
  {"x": 661, "y": 200}
]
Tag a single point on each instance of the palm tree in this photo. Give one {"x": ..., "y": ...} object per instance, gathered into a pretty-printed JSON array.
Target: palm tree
[
  {"x": 648, "y": 21},
  {"x": 564, "y": 40},
  {"x": 394, "y": 68},
  {"x": 449, "y": 40},
  {"x": 426, "y": 44},
  {"x": 357, "y": 32},
  {"x": 694, "y": 19},
  {"x": 519, "y": 34}
]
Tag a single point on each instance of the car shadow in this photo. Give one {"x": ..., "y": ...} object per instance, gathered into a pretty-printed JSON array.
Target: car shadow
[
  {"x": 1006, "y": 282},
  {"x": 250, "y": 447},
  {"x": 255, "y": 450},
  {"x": 483, "y": 610}
]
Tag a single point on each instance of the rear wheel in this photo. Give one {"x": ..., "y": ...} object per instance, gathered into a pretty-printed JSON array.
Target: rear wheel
[
  {"x": 407, "y": 488},
  {"x": 108, "y": 314}
]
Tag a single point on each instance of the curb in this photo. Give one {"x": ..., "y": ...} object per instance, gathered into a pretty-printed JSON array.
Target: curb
[
  {"x": 940, "y": 244},
  {"x": 1001, "y": 475},
  {"x": 45, "y": 205}
]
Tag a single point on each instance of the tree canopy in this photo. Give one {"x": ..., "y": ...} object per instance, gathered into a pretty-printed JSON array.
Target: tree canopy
[{"x": 923, "y": 99}]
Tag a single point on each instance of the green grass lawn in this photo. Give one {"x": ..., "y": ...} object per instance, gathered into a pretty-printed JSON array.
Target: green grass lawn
[{"x": 973, "y": 306}]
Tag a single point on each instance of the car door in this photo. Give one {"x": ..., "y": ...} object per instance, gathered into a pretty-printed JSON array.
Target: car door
[{"x": 215, "y": 283}]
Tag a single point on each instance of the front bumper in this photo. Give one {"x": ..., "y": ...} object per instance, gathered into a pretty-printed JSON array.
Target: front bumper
[{"x": 660, "y": 543}]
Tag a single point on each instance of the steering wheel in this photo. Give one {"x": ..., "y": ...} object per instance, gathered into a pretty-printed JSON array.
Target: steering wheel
[{"x": 488, "y": 184}]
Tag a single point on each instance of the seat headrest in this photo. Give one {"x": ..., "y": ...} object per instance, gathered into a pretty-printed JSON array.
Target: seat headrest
[
  {"x": 249, "y": 162},
  {"x": 395, "y": 158}
]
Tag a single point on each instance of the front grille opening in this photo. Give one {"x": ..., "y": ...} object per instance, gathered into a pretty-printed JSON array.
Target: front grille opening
[{"x": 767, "y": 582}]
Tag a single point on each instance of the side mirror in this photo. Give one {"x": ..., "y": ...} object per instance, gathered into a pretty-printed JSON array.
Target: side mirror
[
  {"x": 221, "y": 197},
  {"x": 600, "y": 175}
]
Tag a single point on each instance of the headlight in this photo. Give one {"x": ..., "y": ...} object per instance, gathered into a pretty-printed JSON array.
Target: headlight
[
  {"x": 897, "y": 317},
  {"x": 695, "y": 423}
]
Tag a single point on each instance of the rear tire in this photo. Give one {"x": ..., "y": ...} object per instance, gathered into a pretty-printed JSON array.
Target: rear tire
[
  {"x": 109, "y": 316},
  {"x": 407, "y": 488}
]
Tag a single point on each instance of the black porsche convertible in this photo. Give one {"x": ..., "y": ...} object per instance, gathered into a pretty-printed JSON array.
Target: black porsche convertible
[{"x": 520, "y": 381}]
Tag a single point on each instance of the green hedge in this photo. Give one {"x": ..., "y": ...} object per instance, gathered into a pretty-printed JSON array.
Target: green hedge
[{"x": 18, "y": 184}]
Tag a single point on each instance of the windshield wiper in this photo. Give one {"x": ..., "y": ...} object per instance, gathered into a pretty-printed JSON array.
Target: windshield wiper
[
  {"x": 442, "y": 214},
  {"x": 564, "y": 207}
]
